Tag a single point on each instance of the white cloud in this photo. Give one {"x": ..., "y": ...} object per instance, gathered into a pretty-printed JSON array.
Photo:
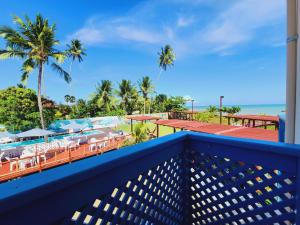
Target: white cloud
[
  {"x": 231, "y": 24},
  {"x": 139, "y": 35},
  {"x": 184, "y": 21},
  {"x": 89, "y": 36},
  {"x": 239, "y": 23}
]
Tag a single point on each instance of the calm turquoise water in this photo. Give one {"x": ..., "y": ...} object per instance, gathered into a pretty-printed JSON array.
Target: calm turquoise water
[
  {"x": 269, "y": 109},
  {"x": 40, "y": 140}
]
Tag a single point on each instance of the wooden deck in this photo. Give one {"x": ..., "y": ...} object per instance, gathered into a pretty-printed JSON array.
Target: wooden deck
[
  {"x": 226, "y": 130},
  {"x": 24, "y": 166}
]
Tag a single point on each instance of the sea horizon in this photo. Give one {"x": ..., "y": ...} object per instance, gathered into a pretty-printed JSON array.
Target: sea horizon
[{"x": 268, "y": 109}]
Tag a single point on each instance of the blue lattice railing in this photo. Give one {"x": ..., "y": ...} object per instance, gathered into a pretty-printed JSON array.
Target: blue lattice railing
[{"x": 185, "y": 178}]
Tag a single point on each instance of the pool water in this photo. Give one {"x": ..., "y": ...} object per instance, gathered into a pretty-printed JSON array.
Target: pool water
[{"x": 41, "y": 140}]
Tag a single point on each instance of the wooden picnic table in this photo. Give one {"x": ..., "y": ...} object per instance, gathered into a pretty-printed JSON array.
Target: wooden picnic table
[{"x": 265, "y": 120}]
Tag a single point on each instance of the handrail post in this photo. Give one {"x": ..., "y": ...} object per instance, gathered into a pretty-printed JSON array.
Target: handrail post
[
  {"x": 40, "y": 163},
  {"x": 69, "y": 152}
]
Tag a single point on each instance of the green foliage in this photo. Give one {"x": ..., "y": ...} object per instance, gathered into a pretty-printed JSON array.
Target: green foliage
[
  {"x": 146, "y": 88},
  {"x": 80, "y": 109},
  {"x": 104, "y": 97},
  {"x": 75, "y": 50},
  {"x": 205, "y": 116},
  {"x": 166, "y": 57},
  {"x": 129, "y": 96},
  {"x": 213, "y": 109},
  {"x": 175, "y": 103},
  {"x": 115, "y": 112},
  {"x": 231, "y": 110},
  {"x": 140, "y": 133},
  {"x": 19, "y": 109},
  {"x": 34, "y": 42}
]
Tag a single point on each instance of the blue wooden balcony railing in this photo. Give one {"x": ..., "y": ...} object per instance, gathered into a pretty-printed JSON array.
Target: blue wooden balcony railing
[{"x": 184, "y": 178}]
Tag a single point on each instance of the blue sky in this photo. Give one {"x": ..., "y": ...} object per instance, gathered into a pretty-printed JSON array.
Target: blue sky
[{"x": 223, "y": 47}]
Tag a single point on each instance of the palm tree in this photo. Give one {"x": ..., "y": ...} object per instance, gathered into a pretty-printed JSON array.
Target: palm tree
[
  {"x": 75, "y": 51},
  {"x": 67, "y": 99},
  {"x": 140, "y": 133},
  {"x": 72, "y": 99},
  {"x": 104, "y": 95},
  {"x": 34, "y": 42},
  {"x": 128, "y": 94},
  {"x": 146, "y": 88},
  {"x": 166, "y": 58}
]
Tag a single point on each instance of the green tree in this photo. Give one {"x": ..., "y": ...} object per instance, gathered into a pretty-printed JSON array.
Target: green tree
[
  {"x": 67, "y": 99},
  {"x": 232, "y": 110},
  {"x": 75, "y": 51},
  {"x": 166, "y": 58},
  {"x": 34, "y": 42},
  {"x": 104, "y": 96},
  {"x": 140, "y": 133},
  {"x": 80, "y": 109},
  {"x": 19, "y": 109},
  {"x": 205, "y": 116},
  {"x": 159, "y": 104},
  {"x": 146, "y": 88},
  {"x": 129, "y": 96},
  {"x": 175, "y": 103},
  {"x": 212, "y": 109}
]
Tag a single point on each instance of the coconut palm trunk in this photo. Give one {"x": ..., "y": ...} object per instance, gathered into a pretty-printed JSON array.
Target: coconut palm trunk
[{"x": 40, "y": 105}]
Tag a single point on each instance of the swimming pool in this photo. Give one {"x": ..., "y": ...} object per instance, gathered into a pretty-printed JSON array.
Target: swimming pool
[{"x": 41, "y": 140}]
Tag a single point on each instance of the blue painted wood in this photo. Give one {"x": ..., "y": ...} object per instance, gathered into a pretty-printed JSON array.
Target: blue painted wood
[
  {"x": 281, "y": 129},
  {"x": 184, "y": 178}
]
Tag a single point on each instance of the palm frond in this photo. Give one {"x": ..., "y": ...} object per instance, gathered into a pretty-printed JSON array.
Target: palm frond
[
  {"x": 24, "y": 77},
  {"x": 61, "y": 72},
  {"x": 5, "y": 54},
  {"x": 59, "y": 56}
]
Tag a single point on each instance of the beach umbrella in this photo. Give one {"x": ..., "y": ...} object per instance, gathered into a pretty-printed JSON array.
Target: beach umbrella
[
  {"x": 7, "y": 134},
  {"x": 74, "y": 126},
  {"x": 292, "y": 128},
  {"x": 36, "y": 132}
]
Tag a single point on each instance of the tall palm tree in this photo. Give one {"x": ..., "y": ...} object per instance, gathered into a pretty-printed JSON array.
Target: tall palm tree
[
  {"x": 34, "y": 42},
  {"x": 104, "y": 95},
  {"x": 128, "y": 94},
  {"x": 75, "y": 51},
  {"x": 166, "y": 58},
  {"x": 146, "y": 88}
]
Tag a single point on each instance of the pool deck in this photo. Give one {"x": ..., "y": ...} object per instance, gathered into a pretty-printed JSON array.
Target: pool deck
[{"x": 53, "y": 158}]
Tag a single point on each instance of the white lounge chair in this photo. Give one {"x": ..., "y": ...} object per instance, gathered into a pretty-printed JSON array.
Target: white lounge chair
[
  {"x": 12, "y": 162},
  {"x": 1, "y": 157}
]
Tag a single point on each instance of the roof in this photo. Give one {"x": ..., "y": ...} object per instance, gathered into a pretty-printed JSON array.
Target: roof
[
  {"x": 74, "y": 126},
  {"x": 255, "y": 117},
  {"x": 36, "y": 132},
  {"x": 6, "y": 134},
  {"x": 143, "y": 118},
  {"x": 227, "y": 130}
]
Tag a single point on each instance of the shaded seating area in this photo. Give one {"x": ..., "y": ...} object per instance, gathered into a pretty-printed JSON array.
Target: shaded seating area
[
  {"x": 227, "y": 130},
  {"x": 141, "y": 119},
  {"x": 254, "y": 120}
]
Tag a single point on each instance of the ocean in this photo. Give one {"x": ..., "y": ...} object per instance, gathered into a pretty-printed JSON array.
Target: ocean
[{"x": 268, "y": 109}]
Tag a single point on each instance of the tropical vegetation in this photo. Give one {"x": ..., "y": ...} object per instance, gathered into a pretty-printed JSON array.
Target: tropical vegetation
[
  {"x": 19, "y": 109},
  {"x": 34, "y": 42}
]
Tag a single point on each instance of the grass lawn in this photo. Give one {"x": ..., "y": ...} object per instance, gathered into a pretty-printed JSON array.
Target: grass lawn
[{"x": 163, "y": 130}]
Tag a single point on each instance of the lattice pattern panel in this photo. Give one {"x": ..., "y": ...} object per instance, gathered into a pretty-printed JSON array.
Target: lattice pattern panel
[
  {"x": 223, "y": 191},
  {"x": 154, "y": 197}
]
